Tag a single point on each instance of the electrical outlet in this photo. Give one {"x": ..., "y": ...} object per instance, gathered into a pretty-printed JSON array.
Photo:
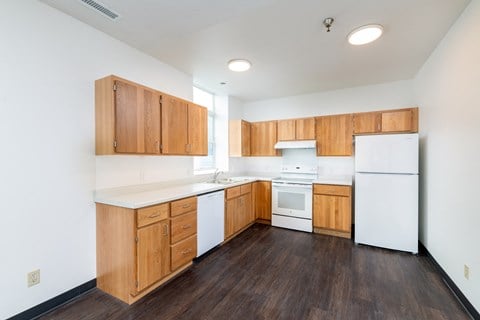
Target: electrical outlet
[
  {"x": 33, "y": 278},
  {"x": 466, "y": 271}
]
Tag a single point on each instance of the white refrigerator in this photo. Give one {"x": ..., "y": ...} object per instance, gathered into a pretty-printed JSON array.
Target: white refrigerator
[{"x": 386, "y": 191}]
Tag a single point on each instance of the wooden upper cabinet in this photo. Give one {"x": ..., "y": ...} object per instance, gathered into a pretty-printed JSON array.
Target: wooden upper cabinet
[
  {"x": 400, "y": 120},
  {"x": 152, "y": 124},
  {"x": 305, "y": 129},
  {"x": 239, "y": 138},
  {"x": 388, "y": 121},
  {"x": 286, "y": 130},
  {"x": 131, "y": 118},
  {"x": 174, "y": 125},
  {"x": 128, "y": 118},
  {"x": 197, "y": 130},
  {"x": 263, "y": 138},
  {"x": 296, "y": 129},
  {"x": 334, "y": 135},
  {"x": 367, "y": 122}
]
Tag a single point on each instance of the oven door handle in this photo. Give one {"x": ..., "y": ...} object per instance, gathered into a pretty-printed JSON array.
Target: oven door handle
[{"x": 291, "y": 185}]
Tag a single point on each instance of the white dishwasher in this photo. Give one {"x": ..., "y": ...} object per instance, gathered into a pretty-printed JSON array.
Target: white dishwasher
[{"x": 210, "y": 221}]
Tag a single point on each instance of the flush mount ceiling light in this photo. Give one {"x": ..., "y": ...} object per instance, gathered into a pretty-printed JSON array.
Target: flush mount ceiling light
[
  {"x": 239, "y": 65},
  {"x": 365, "y": 34}
]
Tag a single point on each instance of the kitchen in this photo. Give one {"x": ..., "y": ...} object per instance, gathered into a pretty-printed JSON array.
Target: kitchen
[{"x": 63, "y": 174}]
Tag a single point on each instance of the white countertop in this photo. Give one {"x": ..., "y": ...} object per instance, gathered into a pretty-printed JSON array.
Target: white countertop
[
  {"x": 135, "y": 197},
  {"x": 343, "y": 180}
]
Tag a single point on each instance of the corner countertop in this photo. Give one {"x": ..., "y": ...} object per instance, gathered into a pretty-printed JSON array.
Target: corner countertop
[
  {"x": 134, "y": 197},
  {"x": 343, "y": 180}
]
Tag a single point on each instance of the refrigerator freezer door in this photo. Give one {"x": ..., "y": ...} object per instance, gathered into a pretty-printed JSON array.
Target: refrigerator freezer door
[
  {"x": 392, "y": 153},
  {"x": 386, "y": 211}
]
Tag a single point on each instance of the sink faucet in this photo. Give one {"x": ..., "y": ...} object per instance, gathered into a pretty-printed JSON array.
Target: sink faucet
[{"x": 216, "y": 174}]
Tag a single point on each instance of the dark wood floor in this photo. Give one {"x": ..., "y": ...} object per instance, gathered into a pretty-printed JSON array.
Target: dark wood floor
[{"x": 271, "y": 273}]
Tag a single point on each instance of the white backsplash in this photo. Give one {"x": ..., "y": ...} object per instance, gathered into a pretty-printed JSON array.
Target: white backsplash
[{"x": 271, "y": 166}]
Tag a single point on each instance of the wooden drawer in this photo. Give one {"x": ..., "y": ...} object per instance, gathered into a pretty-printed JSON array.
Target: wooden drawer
[
  {"x": 183, "y": 206},
  {"x": 232, "y": 192},
  {"x": 246, "y": 188},
  {"x": 183, "y": 226},
  {"x": 334, "y": 190},
  {"x": 149, "y": 215},
  {"x": 184, "y": 252}
]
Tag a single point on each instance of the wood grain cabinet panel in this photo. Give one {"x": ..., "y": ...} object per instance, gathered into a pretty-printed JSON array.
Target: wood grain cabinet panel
[
  {"x": 368, "y": 122},
  {"x": 183, "y": 252},
  {"x": 149, "y": 215},
  {"x": 197, "y": 130},
  {"x": 239, "y": 138},
  {"x": 305, "y": 129},
  {"x": 286, "y": 130},
  {"x": 128, "y": 118},
  {"x": 334, "y": 135},
  {"x": 183, "y": 226},
  {"x": 386, "y": 121},
  {"x": 262, "y": 192},
  {"x": 332, "y": 210},
  {"x": 296, "y": 129},
  {"x": 182, "y": 206},
  {"x": 134, "y": 119},
  {"x": 174, "y": 125},
  {"x": 238, "y": 209},
  {"x": 400, "y": 121},
  {"x": 263, "y": 138},
  {"x": 153, "y": 254}
]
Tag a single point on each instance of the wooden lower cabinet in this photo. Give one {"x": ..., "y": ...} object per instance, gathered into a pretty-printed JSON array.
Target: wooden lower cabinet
[
  {"x": 262, "y": 194},
  {"x": 153, "y": 254},
  {"x": 238, "y": 209},
  {"x": 140, "y": 249},
  {"x": 332, "y": 210}
]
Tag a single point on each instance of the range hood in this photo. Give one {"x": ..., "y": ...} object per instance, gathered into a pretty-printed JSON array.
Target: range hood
[{"x": 299, "y": 144}]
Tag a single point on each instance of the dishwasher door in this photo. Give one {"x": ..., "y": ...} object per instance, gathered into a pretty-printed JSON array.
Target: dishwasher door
[{"x": 210, "y": 221}]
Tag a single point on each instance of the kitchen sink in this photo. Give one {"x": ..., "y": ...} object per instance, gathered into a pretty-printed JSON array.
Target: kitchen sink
[{"x": 227, "y": 181}]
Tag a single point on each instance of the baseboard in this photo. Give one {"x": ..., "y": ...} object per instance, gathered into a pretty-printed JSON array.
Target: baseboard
[
  {"x": 53, "y": 303},
  {"x": 461, "y": 297}
]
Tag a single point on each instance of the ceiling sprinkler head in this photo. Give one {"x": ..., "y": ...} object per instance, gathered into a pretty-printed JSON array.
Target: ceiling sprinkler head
[{"x": 328, "y": 23}]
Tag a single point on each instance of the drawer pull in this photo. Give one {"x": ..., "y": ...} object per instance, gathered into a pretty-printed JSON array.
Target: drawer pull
[
  {"x": 186, "y": 206},
  {"x": 186, "y": 226},
  {"x": 184, "y": 252},
  {"x": 154, "y": 215}
]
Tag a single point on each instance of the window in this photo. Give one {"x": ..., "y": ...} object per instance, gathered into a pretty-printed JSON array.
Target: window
[{"x": 206, "y": 164}]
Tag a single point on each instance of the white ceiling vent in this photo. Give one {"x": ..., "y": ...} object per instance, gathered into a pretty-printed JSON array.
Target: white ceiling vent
[{"x": 101, "y": 9}]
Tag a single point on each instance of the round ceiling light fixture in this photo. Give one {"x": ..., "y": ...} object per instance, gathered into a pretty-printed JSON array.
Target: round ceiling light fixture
[
  {"x": 239, "y": 65},
  {"x": 365, "y": 34}
]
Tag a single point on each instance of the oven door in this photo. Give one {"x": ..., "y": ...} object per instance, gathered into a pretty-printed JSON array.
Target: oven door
[{"x": 293, "y": 200}]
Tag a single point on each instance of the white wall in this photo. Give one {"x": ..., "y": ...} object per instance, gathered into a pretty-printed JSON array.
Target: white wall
[
  {"x": 367, "y": 98},
  {"x": 47, "y": 71},
  {"x": 448, "y": 90}
]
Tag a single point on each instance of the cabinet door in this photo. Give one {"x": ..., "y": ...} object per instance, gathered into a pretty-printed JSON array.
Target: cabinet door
[
  {"x": 262, "y": 191},
  {"x": 151, "y": 105},
  {"x": 334, "y": 135},
  {"x": 263, "y": 138},
  {"x": 128, "y": 118},
  {"x": 174, "y": 125},
  {"x": 332, "y": 212},
  {"x": 245, "y": 136},
  {"x": 286, "y": 130},
  {"x": 230, "y": 209},
  {"x": 153, "y": 254},
  {"x": 197, "y": 130},
  {"x": 398, "y": 121},
  {"x": 305, "y": 129},
  {"x": 368, "y": 122}
]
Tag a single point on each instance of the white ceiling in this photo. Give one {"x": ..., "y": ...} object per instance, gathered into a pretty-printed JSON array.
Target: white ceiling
[{"x": 285, "y": 40}]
